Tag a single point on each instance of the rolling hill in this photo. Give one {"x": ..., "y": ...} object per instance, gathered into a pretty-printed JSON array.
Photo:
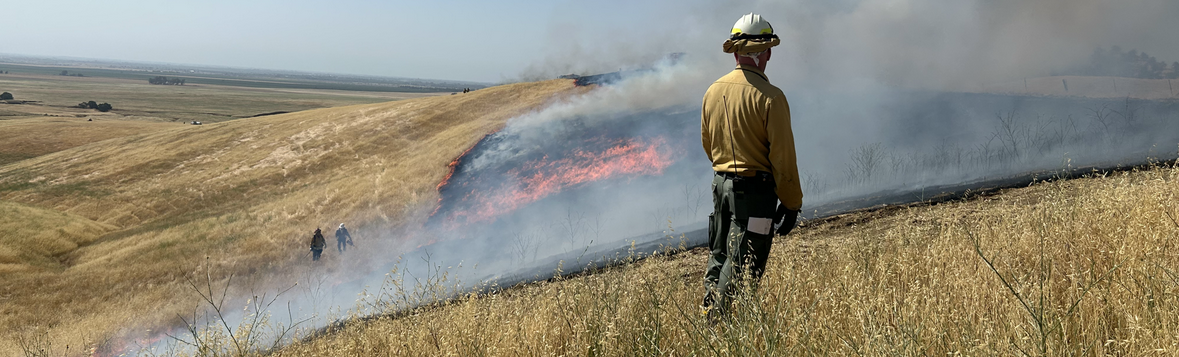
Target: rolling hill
[
  {"x": 99, "y": 243},
  {"x": 138, "y": 214}
]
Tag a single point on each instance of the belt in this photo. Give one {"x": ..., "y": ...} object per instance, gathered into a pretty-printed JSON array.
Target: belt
[{"x": 756, "y": 176}]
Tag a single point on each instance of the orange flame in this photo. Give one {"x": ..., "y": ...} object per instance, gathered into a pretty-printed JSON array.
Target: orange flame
[{"x": 538, "y": 179}]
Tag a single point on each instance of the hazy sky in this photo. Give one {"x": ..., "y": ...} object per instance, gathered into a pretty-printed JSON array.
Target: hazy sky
[
  {"x": 492, "y": 41},
  {"x": 461, "y": 40}
]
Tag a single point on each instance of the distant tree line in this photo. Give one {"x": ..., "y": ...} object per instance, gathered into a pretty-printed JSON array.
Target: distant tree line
[
  {"x": 1133, "y": 64},
  {"x": 166, "y": 81},
  {"x": 67, "y": 73},
  {"x": 104, "y": 107}
]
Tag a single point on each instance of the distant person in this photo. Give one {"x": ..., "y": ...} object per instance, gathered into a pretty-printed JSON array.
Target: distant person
[
  {"x": 745, "y": 129},
  {"x": 343, "y": 239},
  {"x": 317, "y": 245}
]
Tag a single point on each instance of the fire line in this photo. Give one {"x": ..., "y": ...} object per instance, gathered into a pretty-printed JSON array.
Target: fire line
[{"x": 540, "y": 178}]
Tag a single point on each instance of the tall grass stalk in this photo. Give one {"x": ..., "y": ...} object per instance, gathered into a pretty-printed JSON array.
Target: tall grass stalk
[{"x": 1077, "y": 267}]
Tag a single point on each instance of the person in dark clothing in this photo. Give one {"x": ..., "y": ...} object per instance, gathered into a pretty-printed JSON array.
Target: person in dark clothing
[
  {"x": 343, "y": 238},
  {"x": 317, "y": 244}
]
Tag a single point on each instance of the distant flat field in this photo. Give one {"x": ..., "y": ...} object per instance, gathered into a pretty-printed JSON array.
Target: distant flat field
[
  {"x": 135, "y": 99},
  {"x": 241, "y": 78}
]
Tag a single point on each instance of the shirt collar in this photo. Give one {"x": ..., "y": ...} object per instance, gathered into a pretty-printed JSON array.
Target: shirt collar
[{"x": 753, "y": 69}]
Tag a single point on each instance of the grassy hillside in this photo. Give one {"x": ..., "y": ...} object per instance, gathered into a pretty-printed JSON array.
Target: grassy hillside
[
  {"x": 33, "y": 237},
  {"x": 1079, "y": 267},
  {"x": 235, "y": 197},
  {"x": 28, "y": 138}
]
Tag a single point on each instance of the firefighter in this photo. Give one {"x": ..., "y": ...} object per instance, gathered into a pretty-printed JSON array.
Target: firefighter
[
  {"x": 317, "y": 245},
  {"x": 745, "y": 129},
  {"x": 343, "y": 238}
]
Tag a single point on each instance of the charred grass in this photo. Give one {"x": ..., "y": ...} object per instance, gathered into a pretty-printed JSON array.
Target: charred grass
[{"x": 1081, "y": 267}]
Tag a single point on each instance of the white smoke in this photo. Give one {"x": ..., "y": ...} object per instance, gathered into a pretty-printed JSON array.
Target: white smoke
[{"x": 868, "y": 81}]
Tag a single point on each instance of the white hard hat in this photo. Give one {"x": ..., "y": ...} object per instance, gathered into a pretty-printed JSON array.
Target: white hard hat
[
  {"x": 341, "y": 225},
  {"x": 752, "y": 26}
]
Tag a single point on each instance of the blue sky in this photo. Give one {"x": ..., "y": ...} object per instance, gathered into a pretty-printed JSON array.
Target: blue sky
[{"x": 460, "y": 40}]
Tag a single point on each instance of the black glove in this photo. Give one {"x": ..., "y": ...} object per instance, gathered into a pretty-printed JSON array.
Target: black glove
[{"x": 787, "y": 217}]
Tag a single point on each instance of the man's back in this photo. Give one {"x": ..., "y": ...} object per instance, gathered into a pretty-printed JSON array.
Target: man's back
[
  {"x": 745, "y": 127},
  {"x": 317, "y": 240}
]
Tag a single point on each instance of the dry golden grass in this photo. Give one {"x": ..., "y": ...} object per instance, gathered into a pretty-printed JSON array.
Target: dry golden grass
[
  {"x": 28, "y": 138},
  {"x": 34, "y": 236},
  {"x": 1091, "y": 264},
  {"x": 245, "y": 193}
]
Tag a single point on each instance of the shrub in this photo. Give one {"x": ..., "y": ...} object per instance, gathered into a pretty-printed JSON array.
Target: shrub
[
  {"x": 104, "y": 107},
  {"x": 5, "y": 96},
  {"x": 166, "y": 81}
]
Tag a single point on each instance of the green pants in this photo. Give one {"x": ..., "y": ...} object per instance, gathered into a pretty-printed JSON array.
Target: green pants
[{"x": 738, "y": 203}]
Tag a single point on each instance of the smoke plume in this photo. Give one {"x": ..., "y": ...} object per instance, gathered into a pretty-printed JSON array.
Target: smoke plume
[{"x": 885, "y": 97}]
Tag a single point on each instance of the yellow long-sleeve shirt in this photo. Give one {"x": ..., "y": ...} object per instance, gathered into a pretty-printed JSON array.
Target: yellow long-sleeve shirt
[{"x": 745, "y": 107}]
